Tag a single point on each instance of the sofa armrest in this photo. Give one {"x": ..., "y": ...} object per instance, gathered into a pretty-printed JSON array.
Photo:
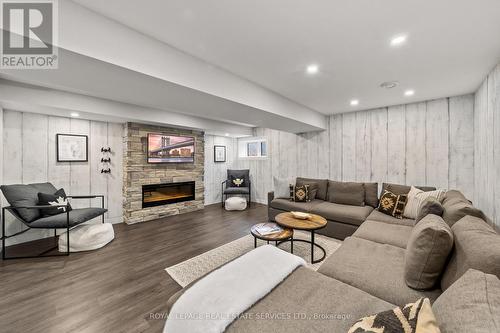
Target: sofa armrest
[{"x": 270, "y": 197}]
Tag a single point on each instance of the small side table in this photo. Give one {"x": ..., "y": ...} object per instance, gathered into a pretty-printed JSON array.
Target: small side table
[{"x": 285, "y": 234}]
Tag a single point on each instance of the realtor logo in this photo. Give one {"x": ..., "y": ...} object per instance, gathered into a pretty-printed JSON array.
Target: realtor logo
[{"x": 29, "y": 31}]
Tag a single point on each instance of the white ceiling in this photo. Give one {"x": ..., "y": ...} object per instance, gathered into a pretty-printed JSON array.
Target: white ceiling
[{"x": 451, "y": 45}]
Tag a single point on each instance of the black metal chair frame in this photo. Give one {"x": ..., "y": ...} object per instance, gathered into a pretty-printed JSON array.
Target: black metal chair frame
[
  {"x": 12, "y": 210},
  {"x": 224, "y": 196}
]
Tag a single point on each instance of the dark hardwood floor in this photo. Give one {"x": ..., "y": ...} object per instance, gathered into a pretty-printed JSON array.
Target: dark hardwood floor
[{"x": 117, "y": 288}]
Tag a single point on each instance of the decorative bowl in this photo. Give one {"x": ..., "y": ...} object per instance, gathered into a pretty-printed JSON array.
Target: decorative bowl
[{"x": 301, "y": 215}]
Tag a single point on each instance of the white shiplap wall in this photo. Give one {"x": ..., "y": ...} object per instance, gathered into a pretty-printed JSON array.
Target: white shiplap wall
[
  {"x": 215, "y": 173},
  {"x": 487, "y": 145},
  {"x": 29, "y": 155},
  {"x": 427, "y": 143}
]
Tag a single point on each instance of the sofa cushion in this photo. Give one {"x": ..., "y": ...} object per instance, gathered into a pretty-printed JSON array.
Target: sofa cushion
[
  {"x": 477, "y": 246},
  {"x": 428, "y": 248},
  {"x": 76, "y": 216},
  {"x": 471, "y": 304},
  {"x": 456, "y": 206},
  {"x": 375, "y": 215},
  {"x": 346, "y": 193},
  {"x": 384, "y": 233},
  {"x": 429, "y": 206},
  {"x": 19, "y": 195},
  {"x": 371, "y": 194},
  {"x": 327, "y": 304},
  {"x": 354, "y": 215},
  {"x": 375, "y": 268},
  {"x": 322, "y": 186},
  {"x": 288, "y": 205},
  {"x": 403, "y": 189}
]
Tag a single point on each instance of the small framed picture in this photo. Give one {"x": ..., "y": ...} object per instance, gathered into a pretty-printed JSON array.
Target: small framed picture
[
  {"x": 72, "y": 148},
  {"x": 219, "y": 153}
]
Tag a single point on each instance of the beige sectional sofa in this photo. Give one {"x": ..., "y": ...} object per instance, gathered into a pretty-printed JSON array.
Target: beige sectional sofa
[
  {"x": 343, "y": 219},
  {"x": 366, "y": 276}
]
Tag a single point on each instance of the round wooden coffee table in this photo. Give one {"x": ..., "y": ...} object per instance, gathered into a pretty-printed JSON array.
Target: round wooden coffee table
[
  {"x": 285, "y": 234},
  {"x": 313, "y": 223}
]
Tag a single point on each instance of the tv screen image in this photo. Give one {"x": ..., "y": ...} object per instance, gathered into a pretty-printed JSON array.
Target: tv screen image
[{"x": 170, "y": 148}]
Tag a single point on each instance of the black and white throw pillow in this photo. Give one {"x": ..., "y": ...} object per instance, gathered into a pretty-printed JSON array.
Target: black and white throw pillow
[
  {"x": 59, "y": 200},
  {"x": 414, "y": 317}
]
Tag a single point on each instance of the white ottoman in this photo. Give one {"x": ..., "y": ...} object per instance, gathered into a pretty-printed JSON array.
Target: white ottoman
[
  {"x": 235, "y": 203},
  {"x": 87, "y": 237}
]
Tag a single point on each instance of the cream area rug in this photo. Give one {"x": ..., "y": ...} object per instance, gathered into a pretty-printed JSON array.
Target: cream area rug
[{"x": 187, "y": 271}]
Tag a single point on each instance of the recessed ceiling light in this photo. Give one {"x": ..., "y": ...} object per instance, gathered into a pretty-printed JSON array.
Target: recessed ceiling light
[
  {"x": 409, "y": 92},
  {"x": 312, "y": 69},
  {"x": 354, "y": 102},
  {"x": 389, "y": 84},
  {"x": 398, "y": 40},
  {"x": 75, "y": 114},
  {"x": 227, "y": 134}
]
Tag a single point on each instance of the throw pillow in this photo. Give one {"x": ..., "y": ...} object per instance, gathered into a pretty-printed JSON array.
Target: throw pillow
[
  {"x": 392, "y": 204},
  {"x": 414, "y": 317},
  {"x": 301, "y": 193},
  {"x": 237, "y": 182},
  {"x": 346, "y": 193},
  {"x": 471, "y": 304},
  {"x": 415, "y": 199},
  {"x": 429, "y": 245},
  {"x": 59, "y": 200},
  {"x": 281, "y": 187},
  {"x": 430, "y": 206},
  {"x": 456, "y": 206}
]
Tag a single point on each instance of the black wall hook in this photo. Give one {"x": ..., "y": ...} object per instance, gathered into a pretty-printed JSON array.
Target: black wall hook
[
  {"x": 106, "y": 160},
  {"x": 106, "y": 170},
  {"x": 106, "y": 150}
]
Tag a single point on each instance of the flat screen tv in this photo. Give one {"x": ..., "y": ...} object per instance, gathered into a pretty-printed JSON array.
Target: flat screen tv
[{"x": 170, "y": 148}]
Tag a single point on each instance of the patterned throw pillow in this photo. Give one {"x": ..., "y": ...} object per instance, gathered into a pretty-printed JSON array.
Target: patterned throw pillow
[
  {"x": 299, "y": 193},
  {"x": 412, "y": 318},
  {"x": 237, "y": 182},
  {"x": 58, "y": 200},
  {"x": 392, "y": 204}
]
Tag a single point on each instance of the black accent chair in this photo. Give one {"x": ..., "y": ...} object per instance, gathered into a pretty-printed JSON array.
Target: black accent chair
[
  {"x": 23, "y": 200},
  {"x": 232, "y": 189}
]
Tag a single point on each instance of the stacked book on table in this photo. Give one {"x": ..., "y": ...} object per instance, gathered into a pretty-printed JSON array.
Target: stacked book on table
[{"x": 268, "y": 228}]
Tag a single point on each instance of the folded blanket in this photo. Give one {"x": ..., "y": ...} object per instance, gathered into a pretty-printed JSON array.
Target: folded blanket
[{"x": 212, "y": 303}]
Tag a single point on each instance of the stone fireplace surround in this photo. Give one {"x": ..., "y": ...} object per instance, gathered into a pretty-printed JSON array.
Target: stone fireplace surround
[{"x": 137, "y": 172}]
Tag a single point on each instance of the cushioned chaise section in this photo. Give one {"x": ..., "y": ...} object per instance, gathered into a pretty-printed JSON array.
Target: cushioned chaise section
[
  {"x": 76, "y": 216},
  {"x": 354, "y": 215},
  {"x": 310, "y": 293},
  {"x": 287, "y": 205},
  {"x": 237, "y": 190},
  {"x": 375, "y": 215},
  {"x": 375, "y": 268},
  {"x": 384, "y": 233}
]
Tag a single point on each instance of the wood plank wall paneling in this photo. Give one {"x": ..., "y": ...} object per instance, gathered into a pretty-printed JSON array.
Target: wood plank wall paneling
[
  {"x": 29, "y": 155},
  {"x": 428, "y": 143},
  {"x": 486, "y": 145},
  {"x": 215, "y": 173}
]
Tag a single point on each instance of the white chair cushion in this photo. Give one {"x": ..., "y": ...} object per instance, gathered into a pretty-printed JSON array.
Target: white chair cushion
[
  {"x": 87, "y": 237},
  {"x": 235, "y": 203}
]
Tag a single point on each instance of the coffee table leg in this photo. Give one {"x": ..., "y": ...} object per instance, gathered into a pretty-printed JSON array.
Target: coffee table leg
[
  {"x": 312, "y": 246},
  {"x": 255, "y": 242},
  {"x": 291, "y": 245}
]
